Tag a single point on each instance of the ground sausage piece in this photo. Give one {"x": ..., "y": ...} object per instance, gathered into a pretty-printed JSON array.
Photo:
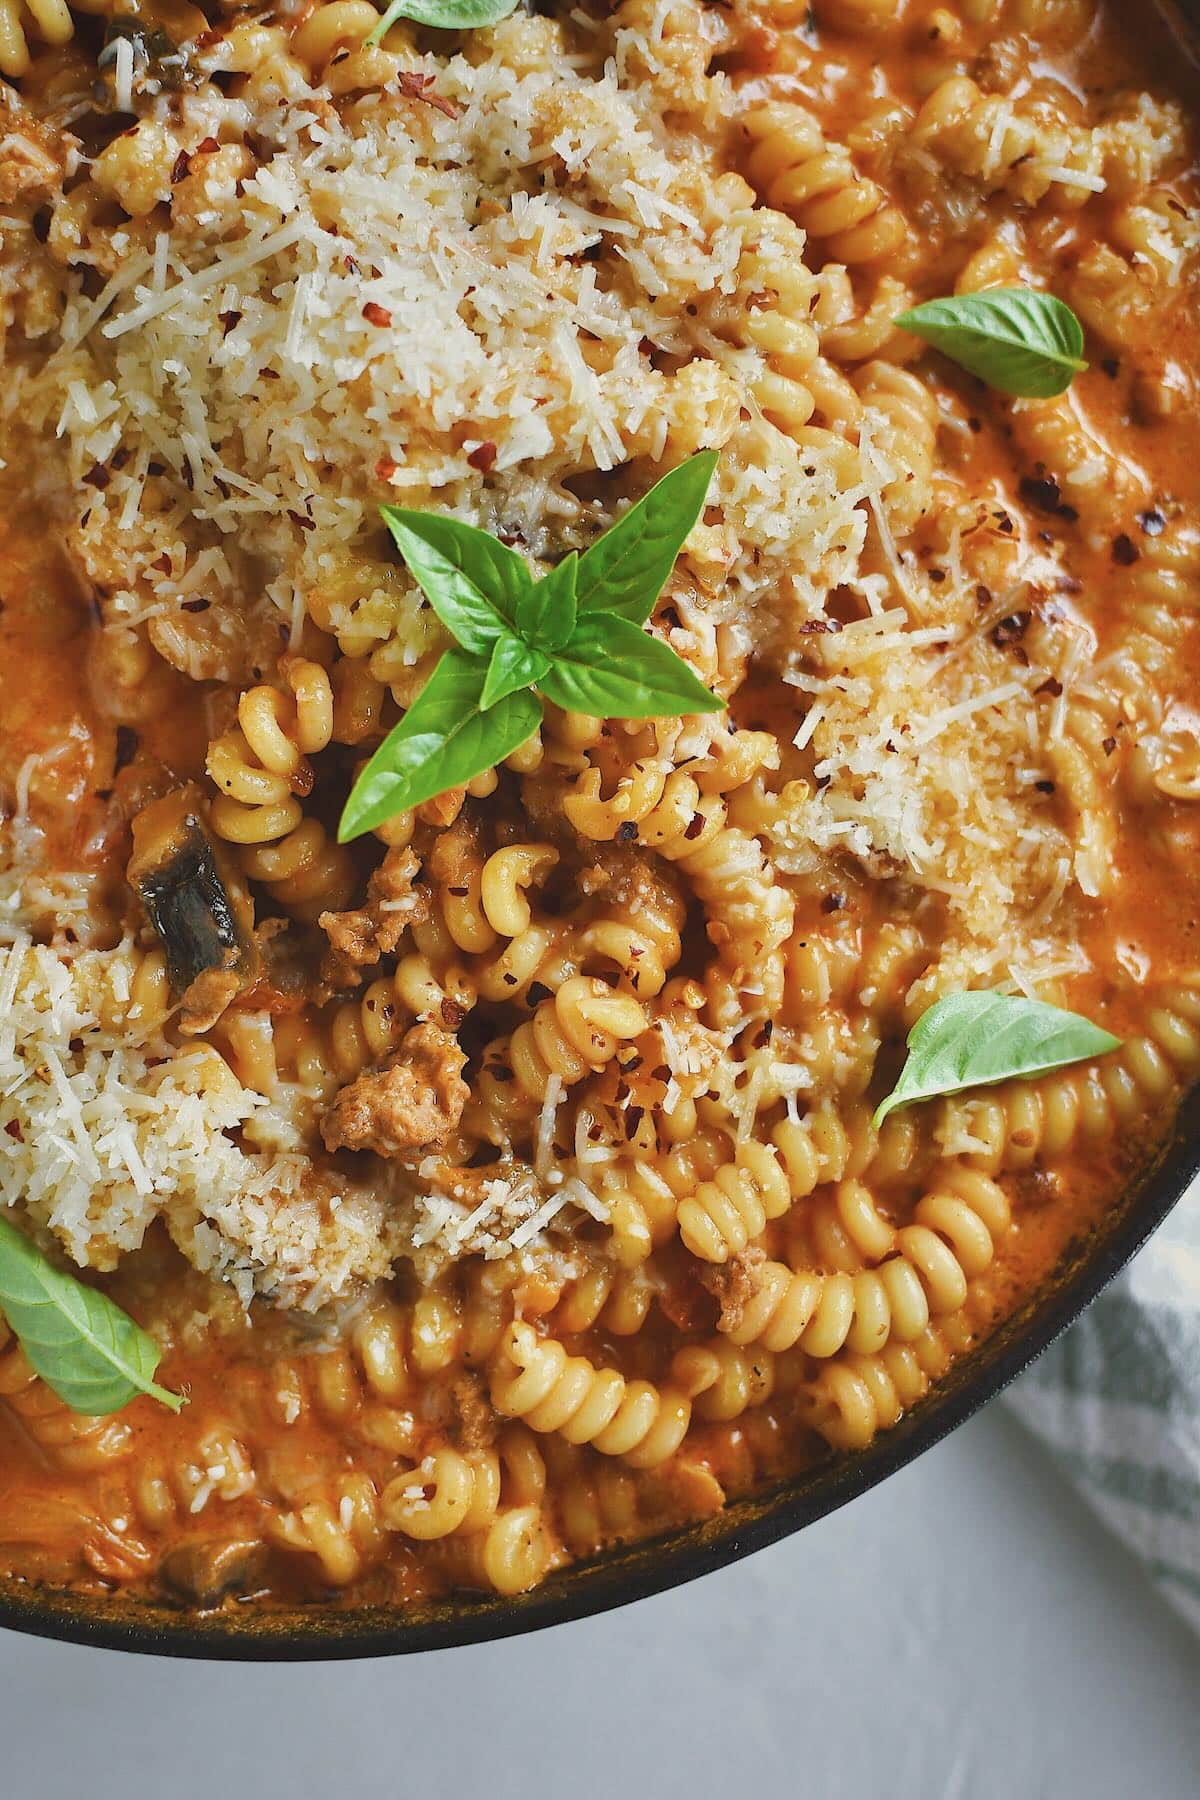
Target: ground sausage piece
[
  {"x": 735, "y": 1284},
  {"x": 358, "y": 939},
  {"x": 410, "y": 1103}
]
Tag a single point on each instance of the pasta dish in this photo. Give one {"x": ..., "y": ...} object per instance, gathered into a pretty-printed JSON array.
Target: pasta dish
[{"x": 600, "y": 752}]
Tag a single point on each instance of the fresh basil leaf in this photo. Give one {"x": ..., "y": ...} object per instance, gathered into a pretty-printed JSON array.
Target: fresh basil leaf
[
  {"x": 970, "y": 1040},
  {"x": 78, "y": 1340},
  {"x": 546, "y": 614},
  {"x": 442, "y": 741},
  {"x": 514, "y": 666},
  {"x": 614, "y": 669},
  {"x": 624, "y": 572},
  {"x": 1016, "y": 339},
  {"x": 446, "y": 15},
  {"x": 473, "y": 582}
]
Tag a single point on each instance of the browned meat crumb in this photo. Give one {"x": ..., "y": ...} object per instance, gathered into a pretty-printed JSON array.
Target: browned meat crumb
[
  {"x": 410, "y": 1103},
  {"x": 735, "y": 1284},
  {"x": 456, "y": 855},
  {"x": 206, "y": 998},
  {"x": 476, "y": 1421},
  {"x": 31, "y": 154},
  {"x": 358, "y": 939}
]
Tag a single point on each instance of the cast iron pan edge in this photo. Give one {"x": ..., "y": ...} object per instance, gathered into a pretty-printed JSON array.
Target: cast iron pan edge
[{"x": 318, "y": 1634}]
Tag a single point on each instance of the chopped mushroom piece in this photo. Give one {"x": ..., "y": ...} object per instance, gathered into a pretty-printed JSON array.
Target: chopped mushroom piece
[
  {"x": 204, "y": 1570},
  {"x": 196, "y": 903}
]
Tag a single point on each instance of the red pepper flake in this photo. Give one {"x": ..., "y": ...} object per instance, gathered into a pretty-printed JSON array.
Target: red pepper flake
[
  {"x": 162, "y": 564},
  {"x": 180, "y": 167},
  {"x": 1052, "y": 686},
  {"x": 198, "y": 605},
  {"x": 228, "y": 321},
  {"x": 633, "y": 1118},
  {"x": 349, "y": 264},
  {"x": 1010, "y": 630},
  {"x": 300, "y": 520},
  {"x": 1109, "y": 745},
  {"x": 1124, "y": 551},
  {"x": 694, "y": 826},
  {"x": 14, "y": 1130},
  {"x": 821, "y": 625},
  {"x": 205, "y": 40},
  {"x": 98, "y": 476},
  {"x": 385, "y": 468},
  {"x": 206, "y": 147},
  {"x": 375, "y": 314},
  {"x": 415, "y": 86},
  {"x": 452, "y": 1014},
  {"x": 483, "y": 457},
  {"x": 833, "y": 903}
]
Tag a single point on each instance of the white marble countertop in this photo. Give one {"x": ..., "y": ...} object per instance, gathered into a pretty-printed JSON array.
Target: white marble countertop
[{"x": 964, "y": 1632}]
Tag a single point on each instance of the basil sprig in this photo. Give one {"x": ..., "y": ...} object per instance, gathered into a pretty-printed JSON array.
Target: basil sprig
[
  {"x": 970, "y": 1040},
  {"x": 575, "y": 636},
  {"x": 79, "y": 1341},
  {"x": 1016, "y": 339},
  {"x": 446, "y": 15}
]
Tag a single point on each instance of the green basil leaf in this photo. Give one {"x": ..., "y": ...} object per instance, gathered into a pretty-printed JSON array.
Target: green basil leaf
[
  {"x": 78, "y": 1340},
  {"x": 546, "y": 614},
  {"x": 442, "y": 741},
  {"x": 447, "y": 15},
  {"x": 1016, "y": 339},
  {"x": 625, "y": 571},
  {"x": 473, "y": 582},
  {"x": 614, "y": 669},
  {"x": 514, "y": 666},
  {"x": 969, "y": 1040}
]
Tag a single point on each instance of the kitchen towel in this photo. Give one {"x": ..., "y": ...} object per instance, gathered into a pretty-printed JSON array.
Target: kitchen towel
[{"x": 1117, "y": 1402}]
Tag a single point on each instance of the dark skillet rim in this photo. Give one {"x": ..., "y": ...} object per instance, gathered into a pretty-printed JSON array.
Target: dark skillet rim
[{"x": 320, "y": 1633}]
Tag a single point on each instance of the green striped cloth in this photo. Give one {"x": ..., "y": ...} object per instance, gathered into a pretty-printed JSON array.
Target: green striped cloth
[{"x": 1117, "y": 1402}]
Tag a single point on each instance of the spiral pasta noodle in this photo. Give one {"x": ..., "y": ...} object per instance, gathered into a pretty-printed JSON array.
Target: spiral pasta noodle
[
  {"x": 260, "y": 770},
  {"x": 534, "y": 1379},
  {"x": 796, "y": 169}
]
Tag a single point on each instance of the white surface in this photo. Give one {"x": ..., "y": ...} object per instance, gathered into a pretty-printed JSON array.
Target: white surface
[{"x": 965, "y": 1632}]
